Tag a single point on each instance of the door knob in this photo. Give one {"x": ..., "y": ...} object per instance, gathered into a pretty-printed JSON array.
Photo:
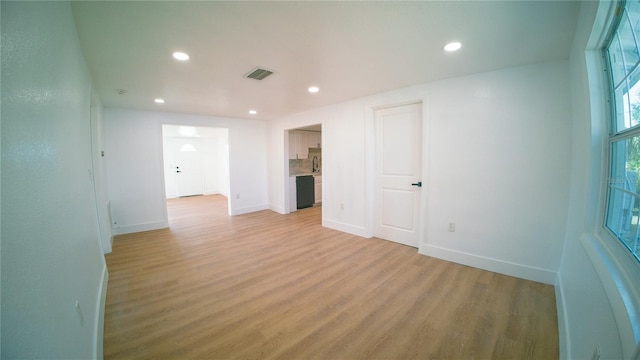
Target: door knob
[{"x": 418, "y": 184}]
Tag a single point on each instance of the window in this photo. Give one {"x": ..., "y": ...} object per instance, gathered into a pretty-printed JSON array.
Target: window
[{"x": 623, "y": 55}]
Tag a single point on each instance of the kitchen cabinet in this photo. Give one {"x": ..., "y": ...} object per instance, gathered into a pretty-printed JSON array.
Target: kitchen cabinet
[
  {"x": 317, "y": 186},
  {"x": 298, "y": 145},
  {"x": 301, "y": 141},
  {"x": 293, "y": 145},
  {"x": 314, "y": 139},
  {"x": 303, "y": 145}
]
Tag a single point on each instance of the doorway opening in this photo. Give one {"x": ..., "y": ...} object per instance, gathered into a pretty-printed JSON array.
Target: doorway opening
[
  {"x": 303, "y": 182},
  {"x": 196, "y": 163}
]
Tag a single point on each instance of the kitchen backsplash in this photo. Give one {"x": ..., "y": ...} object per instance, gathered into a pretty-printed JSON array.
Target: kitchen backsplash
[{"x": 306, "y": 166}]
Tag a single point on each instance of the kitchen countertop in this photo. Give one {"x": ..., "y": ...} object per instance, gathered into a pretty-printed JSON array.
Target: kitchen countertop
[{"x": 307, "y": 174}]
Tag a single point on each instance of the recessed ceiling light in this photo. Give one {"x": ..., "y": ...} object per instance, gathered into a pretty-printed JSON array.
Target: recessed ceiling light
[
  {"x": 159, "y": 101},
  {"x": 314, "y": 89},
  {"x": 252, "y": 112},
  {"x": 452, "y": 46},
  {"x": 178, "y": 55}
]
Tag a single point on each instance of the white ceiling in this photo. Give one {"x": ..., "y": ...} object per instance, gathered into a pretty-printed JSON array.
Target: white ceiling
[{"x": 348, "y": 49}]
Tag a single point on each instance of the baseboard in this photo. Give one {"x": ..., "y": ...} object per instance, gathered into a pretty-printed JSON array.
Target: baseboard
[
  {"x": 249, "y": 209},
  {"x": 563, "y": 324},
  {"x": 347, "y": 228},
  {"x": 484, "y": 263},
  {"x": 128, "y": 229},
  {"x": 278, "y": 209},
  {"x": 99, "y": 331}
]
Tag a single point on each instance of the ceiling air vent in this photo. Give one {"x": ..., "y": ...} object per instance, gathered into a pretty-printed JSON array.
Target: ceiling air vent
[{"x": 258, "y": 74}]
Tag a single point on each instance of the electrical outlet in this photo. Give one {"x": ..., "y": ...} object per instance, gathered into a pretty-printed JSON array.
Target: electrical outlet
[
  {"x": 237, "y": 196},
  {"x": 452, "y": 227},
  {"x": 341, "y": 206}
]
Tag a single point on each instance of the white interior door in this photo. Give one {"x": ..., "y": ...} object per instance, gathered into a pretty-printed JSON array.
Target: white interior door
[
  {"x": 188, "y": 167},
  {"x": 398, "y": 168}
]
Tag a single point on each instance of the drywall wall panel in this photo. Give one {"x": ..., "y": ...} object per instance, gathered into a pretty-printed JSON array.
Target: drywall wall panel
[
  {"x": 53, "y": 270},
  {"x": 499, "y": 147}
]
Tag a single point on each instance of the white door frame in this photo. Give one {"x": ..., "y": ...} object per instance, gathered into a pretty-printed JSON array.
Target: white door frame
[
  {"x": 371, "y": 147},
  {"x": 101, "y": 197}
]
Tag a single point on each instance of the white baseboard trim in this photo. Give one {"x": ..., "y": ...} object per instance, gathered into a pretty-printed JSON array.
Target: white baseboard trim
[
  {"x": 499, "y": 266},
  {"x": 278, "y": 209},
  {"x": 249, "y": 209},
  {"x": 563, "y": 324},
  {"x": 348, "y": 228},
  {"x": 99, "y": 331},
  {"x": 128, "y": 229}
]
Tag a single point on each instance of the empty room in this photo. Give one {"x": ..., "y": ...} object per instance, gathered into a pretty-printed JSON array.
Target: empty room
[{"x": 320, "y": 180}]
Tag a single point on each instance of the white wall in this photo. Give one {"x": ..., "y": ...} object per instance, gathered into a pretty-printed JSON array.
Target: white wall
[
  {"x": 223, "y": 162},
  {"x": 51, "y": 253},
  {"x": 497, "y": 164},
  {"x": 210, "y": 166},
  {"x": 499, "y": 167},
  {"x": 133, "y": 145}
]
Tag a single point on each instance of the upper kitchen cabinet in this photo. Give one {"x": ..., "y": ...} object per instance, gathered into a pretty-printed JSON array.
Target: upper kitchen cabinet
[
  {"x": 294, "y": 143},
  {"x": 301, "y": 141},
  {"x": 298, "y": 145},
  {"x": 314, "y": 139}
]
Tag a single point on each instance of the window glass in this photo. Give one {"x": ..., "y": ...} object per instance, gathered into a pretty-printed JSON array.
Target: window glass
[
  {"x": 623, "y": 219},
  {"x": 623, "y": 205},
  {"x": 621, "y": 105},
  {"x": 633, "y": 15},
  {"x": 626, "y": 37},
  {"x": 626, "y": 99},
  {"x": 616, "y": 60},
  {"x": 625, "y": 164},
  {"x": 634, "y": 100},
  {"x": 624, "y": 193}
]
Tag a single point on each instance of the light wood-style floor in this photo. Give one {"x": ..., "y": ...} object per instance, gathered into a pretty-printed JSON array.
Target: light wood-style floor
[{"x": 270, "y": 286}]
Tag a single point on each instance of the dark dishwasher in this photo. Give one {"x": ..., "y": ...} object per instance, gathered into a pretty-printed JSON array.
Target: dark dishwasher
[{"x": 304, "y": 191}]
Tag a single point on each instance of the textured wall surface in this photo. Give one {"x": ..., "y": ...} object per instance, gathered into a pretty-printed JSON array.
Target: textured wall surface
[{"x": 52, "y": 263}]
